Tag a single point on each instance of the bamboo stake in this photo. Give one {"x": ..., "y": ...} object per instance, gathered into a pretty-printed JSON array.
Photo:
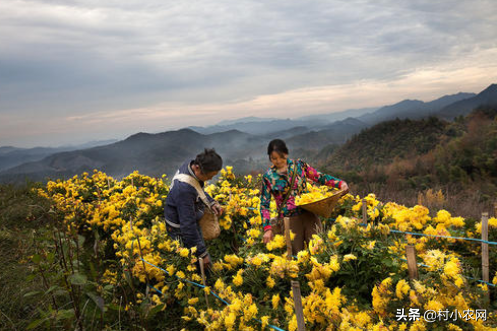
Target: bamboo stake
[
  {"x": 288, "y": 239},
  {"x": 411, "y": 261},
  {"x": 484, "y": 247},
  {"x": 364, "y": 211},
  {"x": 202, "y": 271},
  {"x": 299, "y": 310}
]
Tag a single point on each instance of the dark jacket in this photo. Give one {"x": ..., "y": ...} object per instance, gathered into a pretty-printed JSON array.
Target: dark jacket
[{"x": 184, "y": 207}]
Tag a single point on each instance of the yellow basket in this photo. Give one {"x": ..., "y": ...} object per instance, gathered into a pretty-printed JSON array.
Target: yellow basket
[{"x": 325, "y": 206}]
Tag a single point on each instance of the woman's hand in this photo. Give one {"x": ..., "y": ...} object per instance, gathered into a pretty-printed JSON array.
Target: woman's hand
[
  {"x": 217, "y": 209},
  {"x": 344, "y": 186},
  {"x": 207, "y": 261},
  {"x": 268, "y": 236}
]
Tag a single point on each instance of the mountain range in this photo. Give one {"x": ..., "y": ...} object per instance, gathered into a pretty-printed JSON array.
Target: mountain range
[
  {"x": 242, "y": 142},
  {"x": 12, "y": 156}
]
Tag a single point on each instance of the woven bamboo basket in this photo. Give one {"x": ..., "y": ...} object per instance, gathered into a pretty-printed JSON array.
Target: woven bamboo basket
[
  {"x": 209, "y": 225},
  {"x": 325, "y": 206}
]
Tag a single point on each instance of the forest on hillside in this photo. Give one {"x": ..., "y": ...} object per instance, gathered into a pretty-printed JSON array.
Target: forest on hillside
[{"x": 406, "y": 158}]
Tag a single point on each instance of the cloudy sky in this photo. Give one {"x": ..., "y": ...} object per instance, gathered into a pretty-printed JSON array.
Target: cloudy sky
[{"x": 78, "y": 70}]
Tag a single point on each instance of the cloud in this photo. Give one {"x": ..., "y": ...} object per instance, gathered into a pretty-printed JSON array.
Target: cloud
[{"x": 78, "y": 58}]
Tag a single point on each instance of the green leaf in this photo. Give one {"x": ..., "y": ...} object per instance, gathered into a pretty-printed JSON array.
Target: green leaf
[
  {"x": 54, "y": 287},
  {"x": 50, "y": 257},
  {"x": 36, "y": 258},
  {"x": 78, "y": 279},
  {"x": 30, "y": 294},
  {"x": 65, "y": 314},
  {"x": 99, "y": 301},
  {"x": 81, "y": 240},
  {"x": 115, "y": 307},
  {"x": 154, "y": 311},
  {"x": 35, "y": 323},
  {"x": 30, "y": 277}
]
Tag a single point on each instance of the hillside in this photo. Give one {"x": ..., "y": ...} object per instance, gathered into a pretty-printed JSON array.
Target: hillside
[
  {"x": 92, "y": 252},
  {"x": 384, "y": 142},
  {"x": 162, "y": 153},
  {"x": 153, "y": 154},
  {"x": 336, "y": 133},
  {"x": 403, "y": 157},
  {"x": 12, "y": 156}
]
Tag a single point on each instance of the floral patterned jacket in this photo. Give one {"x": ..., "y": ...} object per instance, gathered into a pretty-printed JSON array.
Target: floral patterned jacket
[{"x": 277, "y": 185}]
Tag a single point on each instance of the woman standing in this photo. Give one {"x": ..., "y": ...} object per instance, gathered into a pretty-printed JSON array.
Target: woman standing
[{"x": 277, "y": 181}]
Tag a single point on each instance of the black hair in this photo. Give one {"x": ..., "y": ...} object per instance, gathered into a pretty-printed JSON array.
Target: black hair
[
  {"x": 277, "y": 145},
  {"x": 209, "y": 161}
]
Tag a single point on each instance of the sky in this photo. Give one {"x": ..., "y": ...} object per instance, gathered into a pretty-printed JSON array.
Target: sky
[{"x": 74, "y": 71}]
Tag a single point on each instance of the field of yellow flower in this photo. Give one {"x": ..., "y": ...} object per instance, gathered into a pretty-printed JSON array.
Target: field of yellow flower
[{"x": 353, "y": 276}]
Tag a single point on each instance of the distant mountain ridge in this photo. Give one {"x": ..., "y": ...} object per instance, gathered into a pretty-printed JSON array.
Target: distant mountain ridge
[
  {"x": 12, "y": 156},
  {"x": 336, "y": 133},
  {"x": 244, "y": 143},
  {"x": 413, "y": 109},
  {"x": 258, "y": 127},
  {"x": 247, "y": 119},
  {"x": 153, "y": 154},
  {"x": 487, "y": 97}
]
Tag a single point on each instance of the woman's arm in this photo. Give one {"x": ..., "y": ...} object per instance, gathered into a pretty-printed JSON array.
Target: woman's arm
[
  {"x": 214, "y": 205},
  {"x": 322, "y": 179}
]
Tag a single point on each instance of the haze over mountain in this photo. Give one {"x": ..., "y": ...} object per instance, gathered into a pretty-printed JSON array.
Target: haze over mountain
[
  {"x": 247, "y": 119},
  {"x": 413, "y": 109},
  {"x": 267, "y": 126},
  {"x": 259, "y": 127},
  {"x": 242, "y": 144},
  {"x": 153, "y": 154},
  {"x": 338, "y": 116},
  {"x": 12, "y": 156}
]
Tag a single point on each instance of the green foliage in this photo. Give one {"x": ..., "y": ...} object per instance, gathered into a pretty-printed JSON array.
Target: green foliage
[
  {"x": 358, "y": 277},
  {"x": 382, "y": 143},
  {"x": 408, "y": 155},
  {"x": 51, "y": 279},
  {"x": 21, "y": 212}
]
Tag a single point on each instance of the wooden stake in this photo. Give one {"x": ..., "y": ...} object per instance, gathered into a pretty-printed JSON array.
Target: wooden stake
[
  {"x": 202, "y": 271},
  {"x": 484, "y": 247},
  {"x": 299, "y": 310},
  {"x": 411, "y": 261},
  {"x": 286, "y": 222},
  {"x": 364, "y": 211},
  {"x": 495, "y": 209}
]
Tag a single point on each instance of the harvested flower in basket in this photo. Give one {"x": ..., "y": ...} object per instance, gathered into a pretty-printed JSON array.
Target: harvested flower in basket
[{"x": 316, "y": 193}]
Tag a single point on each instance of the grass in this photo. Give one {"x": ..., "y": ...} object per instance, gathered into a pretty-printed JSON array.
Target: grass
[{"x": 21, "y": 212}]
